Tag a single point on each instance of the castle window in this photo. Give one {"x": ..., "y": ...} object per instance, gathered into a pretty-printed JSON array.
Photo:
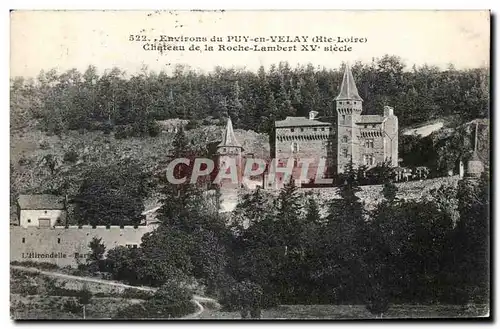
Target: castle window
[
  {"x": 369, "y": 143},
  {"x": 29, "y": 220},
  {"x": 368, "y": 159},
  {"x": 292, "y": 130},
  {"x": 366, "y": 126},
  {"x": 295, "y": 147},
  {"x": 58, "y": 240},
  {"x": 344, "y": 153},
  {"x": 343, "y": 117},
  {"x": 315, "y": 129},
  {"x": 301, "y": 129},
  {"x": 344, "y": 139},
  {"x": 322, "y": 129},
  {"x": 354, "y": 103},
  {"x": 24, "y": 240},
  {"x": 348, "y": 102}
]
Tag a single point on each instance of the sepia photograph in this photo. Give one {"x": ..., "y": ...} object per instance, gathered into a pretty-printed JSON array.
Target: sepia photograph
[{"x": 250, "y": 165}]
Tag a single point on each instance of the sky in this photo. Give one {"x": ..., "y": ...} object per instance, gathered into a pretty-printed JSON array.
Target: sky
[{"x": 77, "y": 39}]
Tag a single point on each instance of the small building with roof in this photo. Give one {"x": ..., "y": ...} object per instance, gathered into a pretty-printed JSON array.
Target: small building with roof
[{"x": 41, "y": 210}]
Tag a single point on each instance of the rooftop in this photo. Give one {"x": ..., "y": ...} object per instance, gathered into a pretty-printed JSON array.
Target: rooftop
[
  {"x": 299, "y": 122},
  {"x": 348, "y": 90},
  {"x": 228, "y": 138},
  {"x": 41, "y": 202}
]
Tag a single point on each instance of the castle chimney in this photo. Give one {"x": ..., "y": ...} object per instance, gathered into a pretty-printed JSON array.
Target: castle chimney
[
  {"x": 388, "y": 111},
  {"x": 312, "y": 115}
]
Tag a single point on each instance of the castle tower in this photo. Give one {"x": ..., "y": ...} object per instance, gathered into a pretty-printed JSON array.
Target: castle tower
[
  {"x": 349, "y": 107},
  {"x": 475, "y": 166},
  {"x": 229, "y": 153}
]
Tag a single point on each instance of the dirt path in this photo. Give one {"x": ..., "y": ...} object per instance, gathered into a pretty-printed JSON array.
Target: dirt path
[{"x": 196, "y": 299}]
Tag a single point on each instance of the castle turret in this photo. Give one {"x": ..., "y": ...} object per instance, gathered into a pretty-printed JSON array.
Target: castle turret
[
  {"x": 475, "y": 166},
  {"x": 349, "y": 107},
  {"x": 229, "y": 154}
]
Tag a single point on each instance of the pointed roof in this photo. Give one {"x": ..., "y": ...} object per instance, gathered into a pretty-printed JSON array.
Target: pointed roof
[
  {"x": 228, "y": 138},
  {"x": 348, "y": 90}
]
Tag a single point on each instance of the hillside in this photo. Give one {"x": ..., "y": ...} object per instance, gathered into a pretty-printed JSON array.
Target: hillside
[{"x": 34, "y": 296}]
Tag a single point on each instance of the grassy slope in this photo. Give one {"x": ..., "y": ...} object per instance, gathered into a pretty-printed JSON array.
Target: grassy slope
[{"x": 30, "y": 298}]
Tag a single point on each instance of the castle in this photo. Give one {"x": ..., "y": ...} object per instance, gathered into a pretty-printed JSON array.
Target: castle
[{"x": 364, "y": 140}]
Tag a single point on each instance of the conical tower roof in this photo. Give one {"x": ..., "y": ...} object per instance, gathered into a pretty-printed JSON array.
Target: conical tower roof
[
  {"x": 228, "y": 138},
  {"x": 348, "y": 90}
]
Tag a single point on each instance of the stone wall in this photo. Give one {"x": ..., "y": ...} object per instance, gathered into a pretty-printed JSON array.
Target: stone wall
[
  {"x": 311, "y": 143},
  {"x": 67, "y": 246}
]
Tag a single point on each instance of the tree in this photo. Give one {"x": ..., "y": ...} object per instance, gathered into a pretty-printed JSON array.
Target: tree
[
  {"x": 471, "y": 240},
  {"x": 123, "y": 263},
  {"x": 111, "y": 195},
  {"x": 249, "y": 299},
  {"x": 97, "y": 250},
  {"x": 84, "y": 298},
  {"x": 165, "y": 255},
  {"x": 381, "y": 252},
  {"x": 344, "y": 238}
]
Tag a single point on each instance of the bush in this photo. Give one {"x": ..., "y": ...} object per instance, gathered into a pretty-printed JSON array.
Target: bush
[
  {"x": 172, "y": 292},
  {"x": 44, "y": 145},
  {"x": 136, "y": 294},
  {"x": 24, "y": 161},
  {"x": 192, "y": 124},
  {"x": 70, "y": 156},
  {"x": 156, "y": 309},
  {"x": 71, "y": 306},
  {"x": 123, "y": 131},
  {"x": 172, "y": 300},
  {"x": 153, "y": 129},
  {"x": 24, "y": 290}
]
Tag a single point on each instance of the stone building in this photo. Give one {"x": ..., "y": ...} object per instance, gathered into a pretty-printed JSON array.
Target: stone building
[
  {"x": 41, "y": 210},
  {"x": 363, "y": 139}
]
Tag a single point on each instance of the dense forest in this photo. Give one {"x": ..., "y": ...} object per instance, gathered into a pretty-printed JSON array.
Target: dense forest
[{"x": 74, "y": 100}]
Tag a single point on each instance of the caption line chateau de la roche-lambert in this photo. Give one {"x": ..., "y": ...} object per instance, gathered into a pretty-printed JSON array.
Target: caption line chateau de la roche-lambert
[{"x": 41, "y": 234}]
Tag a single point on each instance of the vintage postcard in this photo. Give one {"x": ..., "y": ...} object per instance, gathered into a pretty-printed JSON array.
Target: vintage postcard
[{"x": 250, "y": 165}]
